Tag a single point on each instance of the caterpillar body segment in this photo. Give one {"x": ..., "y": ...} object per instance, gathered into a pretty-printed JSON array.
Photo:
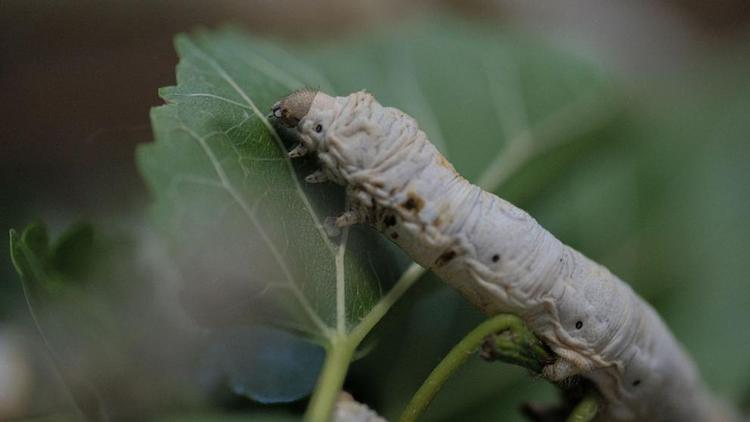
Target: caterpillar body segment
[{"x": 499, "y": 257}]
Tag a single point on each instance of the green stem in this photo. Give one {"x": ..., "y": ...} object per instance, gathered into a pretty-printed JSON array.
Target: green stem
[
  {"x": 585, "y": 410},
  {"x": 342, "y": 348},
  {"x": 331, "y": 379},
  {"x": 408, "y": 278},
  {"x": 455, "y": 358}
]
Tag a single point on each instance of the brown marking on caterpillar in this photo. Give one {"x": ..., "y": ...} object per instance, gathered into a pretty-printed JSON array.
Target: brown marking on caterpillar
[
  {"x": 445, "y": 257},
  {"x": 444, "y": 217},
  {"x": 413, "y": 203},
  {"x": 394, "y": 235}
]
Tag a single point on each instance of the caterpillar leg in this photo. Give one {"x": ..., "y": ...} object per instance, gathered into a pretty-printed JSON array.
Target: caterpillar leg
[
  {"x": 561, "y": 369},
  {"x": 348, "y": 218},
  {"x": 318, "y": 176},
  {"x": 298, "y": 151},
  {"x": 329, "y": 225},
  {"x": 333, "y": 225}
]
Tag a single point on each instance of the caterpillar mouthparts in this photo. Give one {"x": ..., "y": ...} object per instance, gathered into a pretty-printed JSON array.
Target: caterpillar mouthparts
[{"x": 292, "y": 108}]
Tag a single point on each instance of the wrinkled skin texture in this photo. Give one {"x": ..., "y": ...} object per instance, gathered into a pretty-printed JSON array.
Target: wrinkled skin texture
[{"x": 498, "y": 256}]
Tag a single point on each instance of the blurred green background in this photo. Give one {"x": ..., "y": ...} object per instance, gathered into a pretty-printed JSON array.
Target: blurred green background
[{"x": 649, "y": 178}]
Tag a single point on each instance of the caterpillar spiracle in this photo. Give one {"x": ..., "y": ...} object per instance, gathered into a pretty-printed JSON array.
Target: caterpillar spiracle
[{"x": 497, "y": 256}]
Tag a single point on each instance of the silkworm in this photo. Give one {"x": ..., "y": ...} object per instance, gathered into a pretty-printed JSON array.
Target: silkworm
[{"x": 497, "y": 256}]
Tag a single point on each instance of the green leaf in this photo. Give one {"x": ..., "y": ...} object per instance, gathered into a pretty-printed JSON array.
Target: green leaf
[
  {"x": 31, "y": 257},
  {"x": 265, "y": 364},
  {"x": 74, "y": 251},
  {"x": 231, "y": 204},
  {"x": 46, "y": 269},
  {"x": 475, "y": 90},
  {"x": 52, "y": 276}
]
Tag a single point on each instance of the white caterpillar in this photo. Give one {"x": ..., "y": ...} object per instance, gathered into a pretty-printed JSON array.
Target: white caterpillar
[{"x": 498, "y": 256}]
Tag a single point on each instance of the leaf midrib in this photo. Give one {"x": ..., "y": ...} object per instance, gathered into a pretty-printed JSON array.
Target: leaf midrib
[{"x": 227, "y": 185}]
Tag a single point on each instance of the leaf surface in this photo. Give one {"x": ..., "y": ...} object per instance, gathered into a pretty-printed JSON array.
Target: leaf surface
[{"x": 230, "y": 201}]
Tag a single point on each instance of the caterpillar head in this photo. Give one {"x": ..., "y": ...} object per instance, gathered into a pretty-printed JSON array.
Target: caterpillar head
[
  {"x": 311, "y": 112},
  {"x": 292, "y": 108}
]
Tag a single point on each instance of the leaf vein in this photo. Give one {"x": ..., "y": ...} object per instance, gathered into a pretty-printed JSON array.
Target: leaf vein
[
  {"x": 233, "y": 84},
  {"x": 251, "y": 215}
]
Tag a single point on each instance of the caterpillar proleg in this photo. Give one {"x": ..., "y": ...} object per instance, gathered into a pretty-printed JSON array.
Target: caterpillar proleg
[{"x": 498, "y": 256}]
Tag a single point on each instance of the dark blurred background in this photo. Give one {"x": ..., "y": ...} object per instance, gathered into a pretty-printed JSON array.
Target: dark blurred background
[{"x": 78, "y": 78}]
